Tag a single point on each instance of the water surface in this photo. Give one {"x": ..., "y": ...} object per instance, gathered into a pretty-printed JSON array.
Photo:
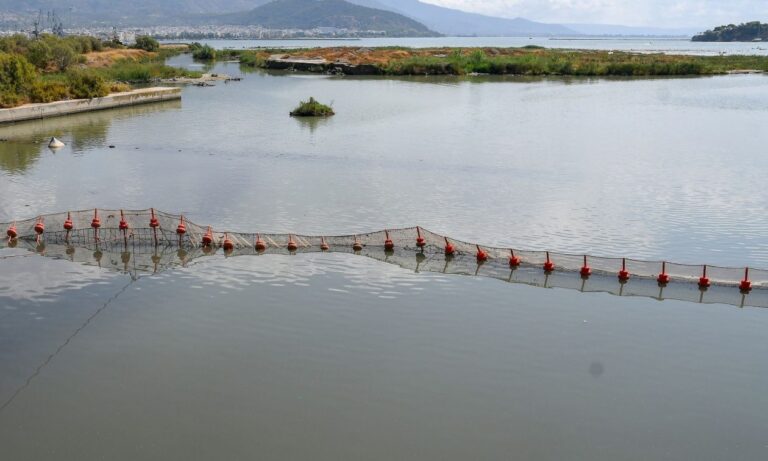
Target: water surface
[{"x": 338, "y": 357}]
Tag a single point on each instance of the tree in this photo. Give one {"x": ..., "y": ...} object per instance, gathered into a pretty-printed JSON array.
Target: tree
[
  {"x": 17, "y": 76},
  {"x": 63, "y": 56},
  {"x": 146, "y": 43}
]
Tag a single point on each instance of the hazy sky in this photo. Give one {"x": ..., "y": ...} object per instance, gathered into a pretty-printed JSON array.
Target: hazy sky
[{"x": 666, "y": 13}]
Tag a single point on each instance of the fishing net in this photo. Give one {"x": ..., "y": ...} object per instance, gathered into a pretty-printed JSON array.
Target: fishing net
[{"x": 151, "y": 240}]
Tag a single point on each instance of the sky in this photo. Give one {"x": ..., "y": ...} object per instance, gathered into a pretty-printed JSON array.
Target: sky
[{"x": 661, "y": 13}]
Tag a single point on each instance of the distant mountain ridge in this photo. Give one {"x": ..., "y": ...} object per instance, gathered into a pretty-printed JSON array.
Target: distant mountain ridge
[
  {"x": 448, "y": 21},
  {"x": 340, "y": 14}
]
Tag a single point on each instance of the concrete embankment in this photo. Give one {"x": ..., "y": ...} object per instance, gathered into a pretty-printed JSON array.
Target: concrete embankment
[
  {"x": 319, "y": 65},
  {"x": 74, "y": 106}
]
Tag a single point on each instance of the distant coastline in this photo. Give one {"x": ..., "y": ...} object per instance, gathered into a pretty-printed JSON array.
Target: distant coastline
[{"x": 747, "y": 32}]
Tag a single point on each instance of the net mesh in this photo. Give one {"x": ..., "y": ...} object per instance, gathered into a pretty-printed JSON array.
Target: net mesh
[{"x": 149, "y": 240}]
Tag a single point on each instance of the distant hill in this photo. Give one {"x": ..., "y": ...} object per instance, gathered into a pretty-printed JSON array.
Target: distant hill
[
  {"x": 747, "y": 32},
  {"x": 448, "y": 21},
  {"x": 310, "y": 14}
]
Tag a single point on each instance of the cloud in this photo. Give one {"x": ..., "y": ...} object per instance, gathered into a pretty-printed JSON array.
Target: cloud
[{"x": 662, "y": 13}]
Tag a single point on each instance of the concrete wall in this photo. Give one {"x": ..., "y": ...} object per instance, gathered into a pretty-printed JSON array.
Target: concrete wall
[{"x": 55, "y": 109}]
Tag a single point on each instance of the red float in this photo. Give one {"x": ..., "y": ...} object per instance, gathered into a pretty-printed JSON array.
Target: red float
[
  {"x": 181, "y": 229},
  {"x": 357, "y": 246},
  {"x": 11, "y": 232},
  {"x": 481, "y": 255},
  {"x": 291, "y": 244},
  {"x": 389, "y": 245},
  {"x": 260, "y": 245},
  {"x": 324, "y": 245},
  {"x": 745, "y": 286},
  {"x": 514, "y": 261},
  {"x": 228, "y": 245},
  {"x": 208, "y": 237},
  {"x": 549, "y": 266},
  {"x": 663, "y": 278},
  {"x": 39, "y": 226},
  {"x": 704, "y": 280},
  {"x": 449, "y": 249},
  {"x": 123, "y": 223},
  {"x": 585, "y": 270},
  {"x": 420, "y": 242},
  {"x": 96, "y": 222},
  {"x": 153, "y": 221},
  {"x": 68, "y": 225},
  {"x": 623, "y": 274}
]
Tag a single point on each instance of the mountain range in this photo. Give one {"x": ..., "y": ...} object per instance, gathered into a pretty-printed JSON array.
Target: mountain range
[
  {"x": 311, "y": 14},
  {"x": 377, "y": 15}
]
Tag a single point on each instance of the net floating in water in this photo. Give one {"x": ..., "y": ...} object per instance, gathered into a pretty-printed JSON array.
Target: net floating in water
[{"x": 156, "y": 238}]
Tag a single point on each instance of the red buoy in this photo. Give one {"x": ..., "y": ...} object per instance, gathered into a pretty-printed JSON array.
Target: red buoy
[
  {"x": 68, "y": 225},
  {"x": 481, "y": 255},
  {"x": 704, "y": 280},
  {"x": 39, "y": 226},
  {"x": 291, "y": 244},
  {"x": 389, "y": 245},
  {"x": 228, "y": 245},
  {"x": 663, "y": 278},
  {"x": 153, "y": 221},
  {"x": 208, "y": 237},
  {"x": 745, "y": 286},
  {"x": 623, "y": 274},
  {"x": 96, "y": 222},
  {"x": 449, "y": 249},
  {"x": 514, "y": 261},
  {"x": 123, "y": 226},
  {"x": 585, "y": 270},
  {"x": 420, "y": 242},
  {"x": 11, "y": 232},
  {"x": 549, "y": 266},
  {"x": 324, "y": 245},
  {"x": 357, "y": 246},
  {"x": 260, "y": 245},
  {"x": 181, "y": 229}
]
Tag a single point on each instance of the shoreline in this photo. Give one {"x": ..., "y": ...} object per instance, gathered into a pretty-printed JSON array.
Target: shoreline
[{"x": 37, "y": 111}]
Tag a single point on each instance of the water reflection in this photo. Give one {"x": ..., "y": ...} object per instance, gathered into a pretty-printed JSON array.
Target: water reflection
[
  {"x": 135, "y": 259},
  {"x": 21, "y": 144},
  {"x": 311, "y": 123}
]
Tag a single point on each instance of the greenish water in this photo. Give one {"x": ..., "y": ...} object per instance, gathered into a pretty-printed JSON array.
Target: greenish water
[
  {"x": 341, "y": 357},
  {"x": 335, "y": 357}
]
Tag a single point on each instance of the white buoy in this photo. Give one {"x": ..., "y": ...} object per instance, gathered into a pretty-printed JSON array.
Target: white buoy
[{"x": 55, "y": 143}]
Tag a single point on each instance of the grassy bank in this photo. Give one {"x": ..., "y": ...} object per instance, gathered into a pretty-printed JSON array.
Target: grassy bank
[
  {"x": 531, "y": 60},
  {"x": 51, "y": 68}
]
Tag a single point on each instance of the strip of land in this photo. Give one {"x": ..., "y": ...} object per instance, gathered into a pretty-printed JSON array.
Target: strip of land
[
  {"x": 531, "y": 60},
  {"x": 74, "y": 106}
]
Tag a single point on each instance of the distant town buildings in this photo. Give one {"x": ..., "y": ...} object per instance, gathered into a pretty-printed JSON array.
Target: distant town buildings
[{"x": 128, "y": 34}]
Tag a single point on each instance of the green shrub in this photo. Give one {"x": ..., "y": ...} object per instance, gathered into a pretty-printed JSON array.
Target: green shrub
[
  {"x": 202, "y": 52},
  {"x": 16, "y": 74},
  {"x": 146, "y": 43},
  {"x": 49, "y": 91},
  {"x": 40, "y": 54},
  {"x": 312, "y": 108},
  {"x": 62, "y": 56},
  {"x": 85, "y": 84}
]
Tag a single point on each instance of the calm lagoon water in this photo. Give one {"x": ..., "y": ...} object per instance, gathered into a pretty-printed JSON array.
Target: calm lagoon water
[
  {"x": 634, "y": 44},
  {"x": 342, "y": 357}
]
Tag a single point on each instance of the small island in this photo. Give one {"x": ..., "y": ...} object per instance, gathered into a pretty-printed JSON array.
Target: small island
[
  {"x": 748, "y": 32},
  {"x": 312, "y": 108}
]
